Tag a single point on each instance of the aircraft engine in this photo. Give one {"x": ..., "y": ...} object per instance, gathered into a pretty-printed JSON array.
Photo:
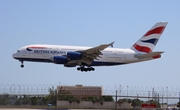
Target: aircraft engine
[
  {"x": 74, "y": 55},
  {"x": 60, "y": 59}
]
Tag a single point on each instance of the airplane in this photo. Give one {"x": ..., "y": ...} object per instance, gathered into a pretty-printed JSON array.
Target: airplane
[{"x": 88, "y": 57}]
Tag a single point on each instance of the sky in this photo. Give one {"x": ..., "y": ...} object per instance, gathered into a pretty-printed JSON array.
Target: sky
[{"x": 89, "y": 23}]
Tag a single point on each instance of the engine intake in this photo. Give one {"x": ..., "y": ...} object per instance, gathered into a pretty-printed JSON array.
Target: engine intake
[{"x": 74, "y": 55}]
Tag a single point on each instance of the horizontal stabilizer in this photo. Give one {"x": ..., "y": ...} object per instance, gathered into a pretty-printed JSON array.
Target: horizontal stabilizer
[{"x": 148, "y": 55}]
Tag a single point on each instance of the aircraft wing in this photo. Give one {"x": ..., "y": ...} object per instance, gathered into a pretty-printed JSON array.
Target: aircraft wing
[
  {"x": 95, "y": 51},
  {"x": 91, "y": 54},
  {"x": 98, "y": 48}
]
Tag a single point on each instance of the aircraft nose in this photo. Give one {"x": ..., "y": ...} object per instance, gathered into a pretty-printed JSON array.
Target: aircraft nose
[{"x": 14, "y": 55}]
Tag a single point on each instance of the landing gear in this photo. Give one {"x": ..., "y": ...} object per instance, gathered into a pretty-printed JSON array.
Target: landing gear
[
  {"x": 82, "y": 68},
  {"x": 22, "y": 65}
]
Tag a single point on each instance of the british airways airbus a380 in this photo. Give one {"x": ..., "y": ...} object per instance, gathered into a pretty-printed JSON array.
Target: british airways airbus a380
[{"x": 87, "y": 57}]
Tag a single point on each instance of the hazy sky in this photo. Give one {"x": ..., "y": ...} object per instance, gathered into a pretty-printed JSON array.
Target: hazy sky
[{"x": 89, "y": 23}]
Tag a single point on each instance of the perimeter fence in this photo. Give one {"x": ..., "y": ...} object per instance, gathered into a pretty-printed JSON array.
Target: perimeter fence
[
  {"x": 12, "y": 92},
  {"x": 37, "y": 89}
]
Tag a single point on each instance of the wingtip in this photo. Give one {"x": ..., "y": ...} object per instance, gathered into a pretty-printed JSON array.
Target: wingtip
[{"x": 112, "y": 44}]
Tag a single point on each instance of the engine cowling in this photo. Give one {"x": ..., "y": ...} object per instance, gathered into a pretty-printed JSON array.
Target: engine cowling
[
  {"x": 60, "y": 59},
  {"x": 74, "y": 55}
]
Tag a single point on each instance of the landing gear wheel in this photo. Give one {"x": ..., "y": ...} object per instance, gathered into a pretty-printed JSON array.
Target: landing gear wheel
[
  {"x": 85, "y": 69},
  {"x": 78, "y": 68},
  {"x": 92, "y": 69},
  {"x": 22, "y": 65},
  {"x": 82, "y": 68}
]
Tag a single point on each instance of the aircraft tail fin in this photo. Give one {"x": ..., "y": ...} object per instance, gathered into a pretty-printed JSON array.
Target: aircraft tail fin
[{"x": 149, "y": 40}]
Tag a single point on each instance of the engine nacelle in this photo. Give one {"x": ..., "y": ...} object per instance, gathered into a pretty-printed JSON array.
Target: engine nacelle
[
  {"x": 60, "y": 59},
  {"x": 74, "y": 55}
]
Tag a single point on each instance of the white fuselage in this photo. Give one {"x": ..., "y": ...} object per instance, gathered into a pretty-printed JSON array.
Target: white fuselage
[
  {"x": 86, "y": 57},
  {"x": 46, "y": 53}
]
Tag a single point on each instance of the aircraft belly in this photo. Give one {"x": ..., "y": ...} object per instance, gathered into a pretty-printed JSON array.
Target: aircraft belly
[
  {"x": 99, "y": 63},
  {"x": 34, "y": 58}
]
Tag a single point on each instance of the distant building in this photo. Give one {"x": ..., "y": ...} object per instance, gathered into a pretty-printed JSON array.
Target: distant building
[{"x": 82, "y": 91}]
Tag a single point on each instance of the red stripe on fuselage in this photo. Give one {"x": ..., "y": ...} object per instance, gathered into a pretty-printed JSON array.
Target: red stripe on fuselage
[
  {"x": 142, "y": 48},
  {"x": 157, "y": 30},
  {"x": 34, "y": 47}
]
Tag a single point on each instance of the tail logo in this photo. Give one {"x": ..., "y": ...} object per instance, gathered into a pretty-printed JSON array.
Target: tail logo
[
  {"x": 142, "y": 48},
  {"x": 157, "y": 30},
  {"x": 152, "y": 41},
  {"x": 149, "y": 40}
]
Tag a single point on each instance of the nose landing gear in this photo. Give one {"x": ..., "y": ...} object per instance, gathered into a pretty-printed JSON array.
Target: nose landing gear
[
  {"x": 82, "y": 68},
  {"x": 22, "y": 65}
]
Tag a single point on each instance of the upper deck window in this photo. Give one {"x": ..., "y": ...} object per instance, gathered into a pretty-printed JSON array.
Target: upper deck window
[{"x": 18, "y": 50}]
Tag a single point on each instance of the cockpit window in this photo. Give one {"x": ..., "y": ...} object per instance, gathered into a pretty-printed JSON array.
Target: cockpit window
[
  {"x": 28, "y": 49},
  {"x": 18, "y": 50}
]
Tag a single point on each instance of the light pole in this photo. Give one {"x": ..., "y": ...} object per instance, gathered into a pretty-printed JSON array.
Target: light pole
[
  {"x": 127, "y": 92},
  {"x": 20, "y": 93},
  {"x": 167, "y": 97},
  {"x": 162, "y": 101},
  {"x": 57, "y": 90},
  {"x": 137, "y": 102},
  {"x": 19, "y": 89},
  {"x": 119, "y": 91},
  {"x": 179, "y": 100},
  {"x": 149, "y": 96}
]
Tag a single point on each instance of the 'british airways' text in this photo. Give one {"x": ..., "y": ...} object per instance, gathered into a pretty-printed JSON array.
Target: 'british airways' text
[{"x": 49, "y": 52}]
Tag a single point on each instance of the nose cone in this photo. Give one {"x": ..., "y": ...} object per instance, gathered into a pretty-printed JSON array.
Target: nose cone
[{"x": 14, "y": 55}]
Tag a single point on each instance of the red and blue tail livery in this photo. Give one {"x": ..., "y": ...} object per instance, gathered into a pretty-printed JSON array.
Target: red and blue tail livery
[
  {"x": 85, "y": 58},
  {"x": 149, "y": 40}
]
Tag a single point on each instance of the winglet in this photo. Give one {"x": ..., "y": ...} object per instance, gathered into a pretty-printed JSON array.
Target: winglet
[{"x": 111, "y": 44}]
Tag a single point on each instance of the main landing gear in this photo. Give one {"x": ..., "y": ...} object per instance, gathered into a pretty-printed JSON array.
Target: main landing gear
[
  {"x": 82, "y": 68},
  {"x": 22, "y": 65}
]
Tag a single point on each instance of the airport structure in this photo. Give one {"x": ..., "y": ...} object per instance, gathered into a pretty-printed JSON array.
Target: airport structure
[{"x": 82, "y": 91}]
